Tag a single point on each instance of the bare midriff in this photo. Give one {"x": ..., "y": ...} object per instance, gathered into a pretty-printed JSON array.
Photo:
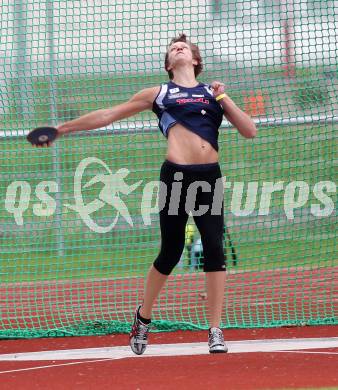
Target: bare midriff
[{"x": 186, "y": 147}]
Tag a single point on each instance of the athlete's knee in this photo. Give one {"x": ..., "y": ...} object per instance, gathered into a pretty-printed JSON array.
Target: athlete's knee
[
  {"x": 214, "y": 265},
  {"x": 214, "y": 259},
  {"x": 166, "y": 262}
]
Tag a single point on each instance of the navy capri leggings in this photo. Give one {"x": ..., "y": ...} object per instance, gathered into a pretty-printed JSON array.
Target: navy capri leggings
[{"x": 196, "y": 190}]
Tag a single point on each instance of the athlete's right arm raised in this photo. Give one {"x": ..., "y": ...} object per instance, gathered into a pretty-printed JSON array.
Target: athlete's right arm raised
[{"x": 141, "y": 101}]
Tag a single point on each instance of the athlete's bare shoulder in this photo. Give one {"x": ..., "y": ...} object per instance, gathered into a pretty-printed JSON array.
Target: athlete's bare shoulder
[{"x": 148, "y": 95}]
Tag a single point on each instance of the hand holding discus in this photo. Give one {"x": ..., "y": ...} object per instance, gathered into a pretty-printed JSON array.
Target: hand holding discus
[{"x": 42, "y": 136}]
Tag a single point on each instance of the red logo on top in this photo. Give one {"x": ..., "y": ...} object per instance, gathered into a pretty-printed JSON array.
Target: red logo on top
[{"x": 192, "y": 100}]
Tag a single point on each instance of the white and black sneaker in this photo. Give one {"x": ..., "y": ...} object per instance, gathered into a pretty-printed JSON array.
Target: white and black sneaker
[
  {"x": 216, "y": 341},
  {"x": 138, "y": 337}
]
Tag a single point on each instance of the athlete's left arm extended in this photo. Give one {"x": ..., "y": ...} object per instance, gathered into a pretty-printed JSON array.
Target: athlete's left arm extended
[{"x": 242, "y": 121}]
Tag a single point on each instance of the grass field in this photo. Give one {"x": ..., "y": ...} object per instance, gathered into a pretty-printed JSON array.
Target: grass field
[
  {"x": 80, "y": 93},
  {"x": 30, "y": 252},
  {"x": 305, "y": 152}
]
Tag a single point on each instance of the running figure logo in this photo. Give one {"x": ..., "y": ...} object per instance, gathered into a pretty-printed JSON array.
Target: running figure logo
[{"x": 114, "y": 184}]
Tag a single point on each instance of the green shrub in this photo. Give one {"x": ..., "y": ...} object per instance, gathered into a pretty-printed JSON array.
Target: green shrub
[{"x": 308, "y": 95}]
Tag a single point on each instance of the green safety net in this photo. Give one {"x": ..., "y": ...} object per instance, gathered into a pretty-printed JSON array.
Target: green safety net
[{"x": 71, "y": 261}]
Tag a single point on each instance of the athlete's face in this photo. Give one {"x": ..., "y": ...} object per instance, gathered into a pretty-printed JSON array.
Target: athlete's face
[{"x": 180, "y": 53}]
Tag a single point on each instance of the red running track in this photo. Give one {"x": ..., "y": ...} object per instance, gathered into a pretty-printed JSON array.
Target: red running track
[{"x": 236, "y": 371}]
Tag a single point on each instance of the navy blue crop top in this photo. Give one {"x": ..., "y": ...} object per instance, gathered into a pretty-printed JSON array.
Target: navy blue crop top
[{"x": 194, "y": 108}]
